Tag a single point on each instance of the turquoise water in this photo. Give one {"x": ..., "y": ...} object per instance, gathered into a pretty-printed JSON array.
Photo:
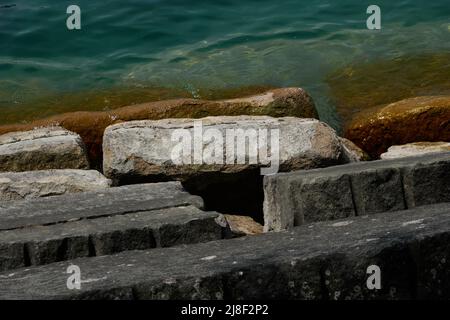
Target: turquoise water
[{"x": 204, "y": 44}]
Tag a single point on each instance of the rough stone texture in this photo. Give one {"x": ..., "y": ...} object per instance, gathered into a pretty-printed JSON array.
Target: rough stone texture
[
  {"x": 242, "y": 225},
  {"x": 411, "y": 120},
  {"x": 361, "y": 188},
  {"x": 322, "y": 198},
  {"x": 326, "y": 260},
  {"x": 415, "y": 149},
  {"x": 44, "y": 183},
  {"x": 139, "y": 149},
  {"x": 45, "y": 244},
  {"x": 41, "y": 149},
  {"x": 427, "y": 183},
  {"x": 351, "y": 152},
  {"x": 378, "y": 190},
  {"x": 90, "y": 126},
  {"x": 88, "y": 205}
]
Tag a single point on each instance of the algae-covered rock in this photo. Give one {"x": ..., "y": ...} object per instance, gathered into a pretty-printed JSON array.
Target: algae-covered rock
[
  {"x": 411, "y": 120},
  {"x": 294, "y": 102}
]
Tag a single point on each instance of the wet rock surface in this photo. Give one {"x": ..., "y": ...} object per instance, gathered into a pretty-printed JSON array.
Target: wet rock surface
[
  {"x": 412, "y": 120},
  {"x": 361, "y": 86},
  {"x": 90, "y": 126}
]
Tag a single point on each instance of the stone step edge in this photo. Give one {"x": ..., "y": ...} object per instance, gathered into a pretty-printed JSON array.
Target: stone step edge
[
  {"x": 109, "y": 202},
  {"x": 104, "y": 236},
  {"x": 281, "y": 213},
  {"x": 325, "y": 260}
]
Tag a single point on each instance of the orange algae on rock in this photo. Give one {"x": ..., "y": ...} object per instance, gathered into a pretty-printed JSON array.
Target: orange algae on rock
[
  {"x": 411, "y": 120},
  {"x": 364, "y": 85},
  {"x": 91, "y": 125}
]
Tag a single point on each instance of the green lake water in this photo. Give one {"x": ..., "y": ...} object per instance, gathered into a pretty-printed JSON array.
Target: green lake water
[{"x": 132, "y": 51}]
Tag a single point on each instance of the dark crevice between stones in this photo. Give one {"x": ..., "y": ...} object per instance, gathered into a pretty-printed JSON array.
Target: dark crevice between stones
[
  {"x": 352, "y": 193},
  {"x": 63, "y": 249},
  {"x": 26, "y": 255},
  {"x": 235, "y": 194},
  {"x": 228, "y": 193},
  {"x": 92, "y": 252},
  {"x": 402, "y": 183}
]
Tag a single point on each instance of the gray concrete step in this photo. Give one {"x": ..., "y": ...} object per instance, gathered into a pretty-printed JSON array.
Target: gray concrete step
[
  {"x": 292, "y": 199},
  {"x": 43, "y": 231},
  {"x": 325, "y": 260},
  {"x": 114, "y": 201}
]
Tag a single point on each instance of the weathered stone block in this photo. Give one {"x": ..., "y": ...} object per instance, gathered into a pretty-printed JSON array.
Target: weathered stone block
[
  {"x": 325, "y": 260},
  {"x": 108, "y": 235},
  {"x": 427, "y": 183},
  {"x": 377, "y": 190},
  {"x": 147, "y": 149},
  {"x": 355, "y": 189},
  {"x": 319, "y": 198},
  {"x": 44, "y": 183},
  {"x": 109, "y": 202},
  {"x": 42, "y": 149},
  {"x": 11, "y": 256},
  {"x": 278, "y": 214}
]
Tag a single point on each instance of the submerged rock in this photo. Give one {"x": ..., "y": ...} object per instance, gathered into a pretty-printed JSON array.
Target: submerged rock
[
  {"x": 415, "y": 149},
  {"x": 41, "y": 149},
  {"x": 90, "y": 125},
  {"x": 361, "y": 86},
  {"x": 35, "y": 184},
  {"x": 412, "y": 120}
]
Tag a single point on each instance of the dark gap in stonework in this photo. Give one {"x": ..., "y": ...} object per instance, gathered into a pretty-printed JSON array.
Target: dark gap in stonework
[
  {"x": 63, "y": 249},
  {"x": 234, "y": 193},
  {"x": 91, "y": 247},
  {"x": 26, "y": 255}
]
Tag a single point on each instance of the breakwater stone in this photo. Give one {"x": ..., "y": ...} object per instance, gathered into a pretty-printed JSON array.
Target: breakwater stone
[
  {"x": 42, "y": 149},
  {"x": 46, "y": 230},
  {"x": 283, "y": 102},
  {"x": 415, "y": 149},
  {"x": 221, "y": 159},
  {"x": 299, "y": 197},
  {"x": 89, "y": 205},
  {"x": 324, "y": 260},
  {"x": 145, "y": 149},
  {"x": 45, "y": 183}
]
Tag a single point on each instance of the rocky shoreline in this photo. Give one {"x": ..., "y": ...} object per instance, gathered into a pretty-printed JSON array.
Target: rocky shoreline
[{"x": 50, "y": 163}]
